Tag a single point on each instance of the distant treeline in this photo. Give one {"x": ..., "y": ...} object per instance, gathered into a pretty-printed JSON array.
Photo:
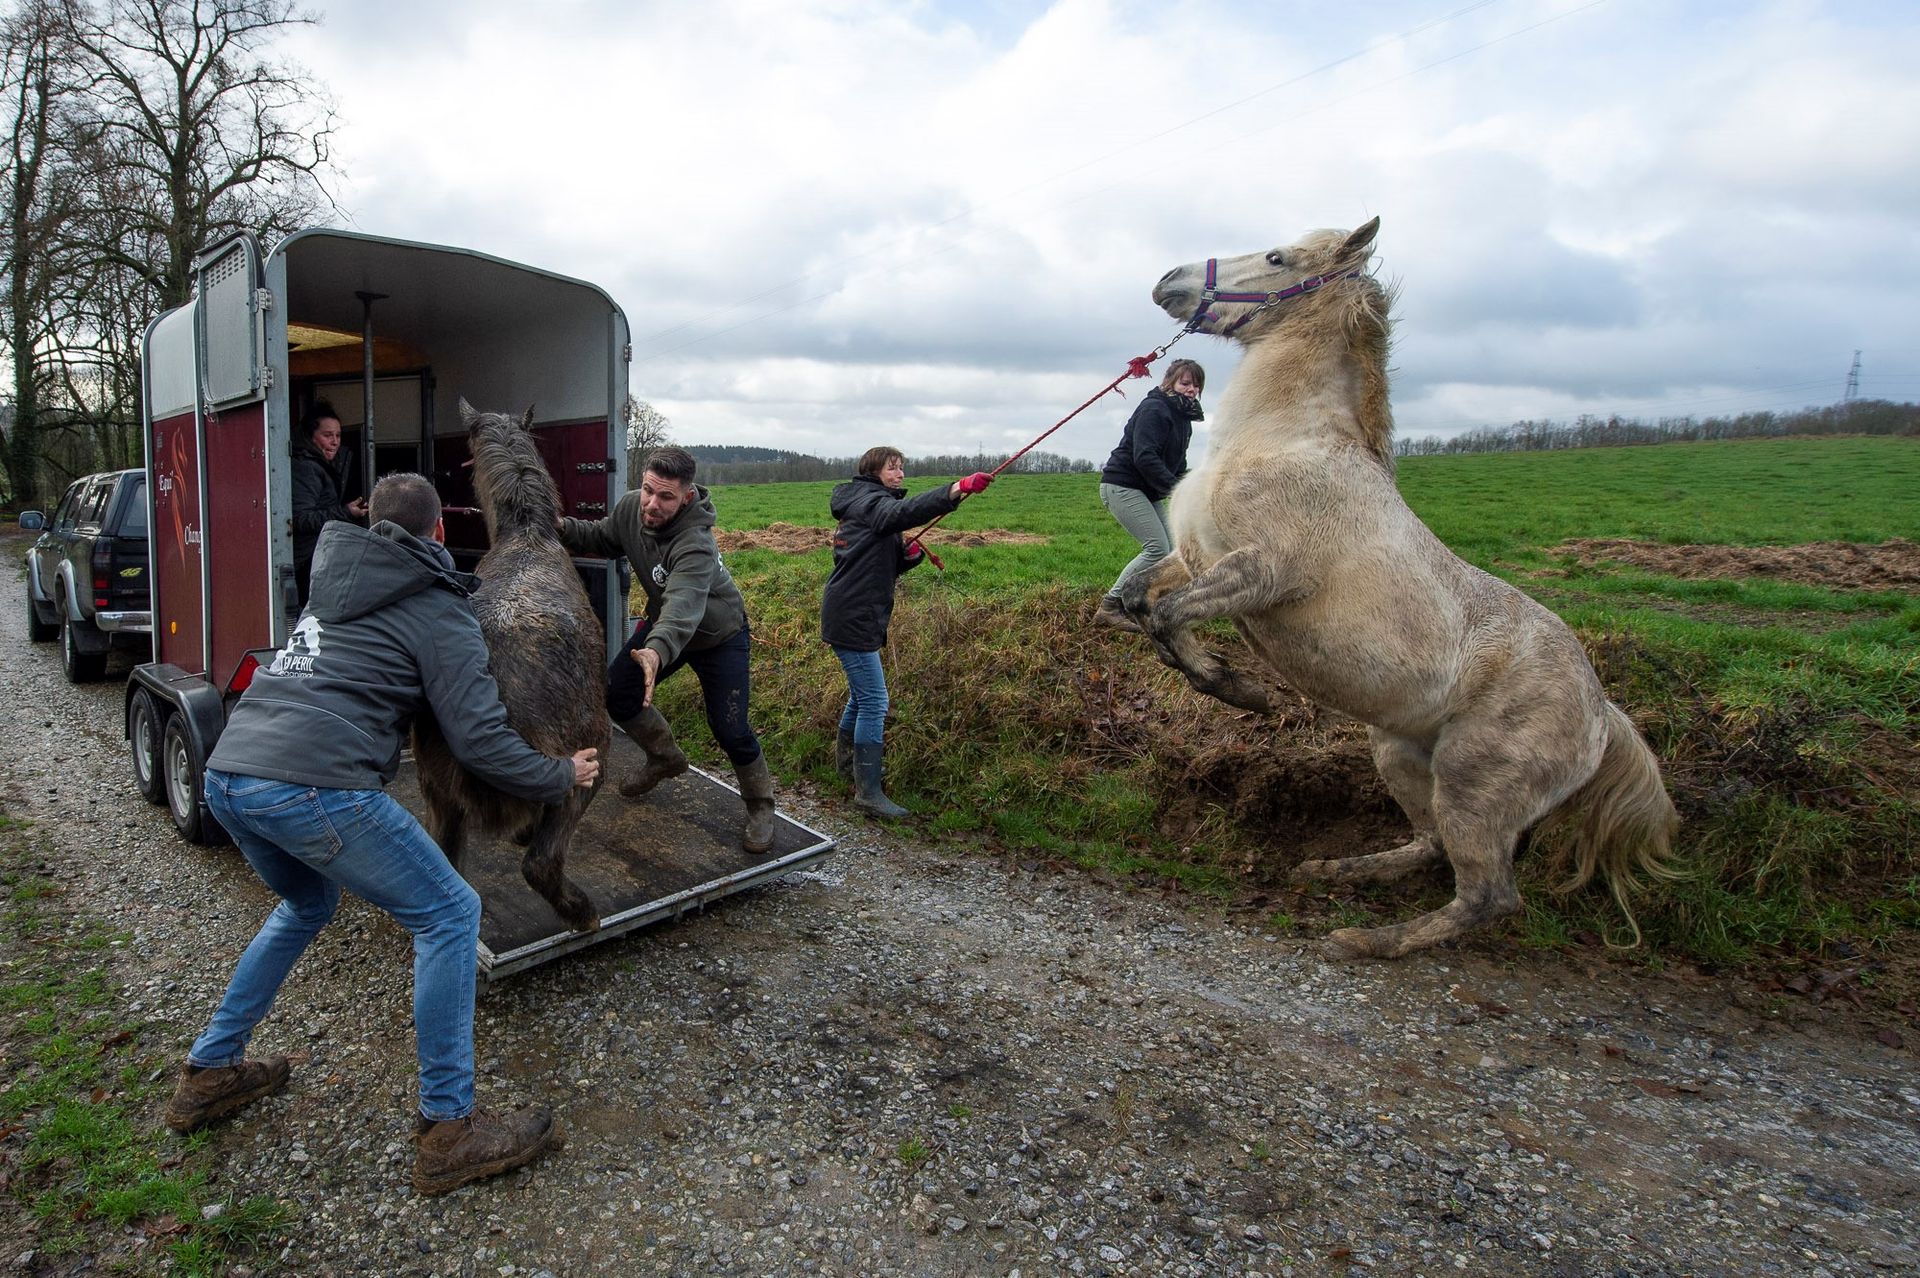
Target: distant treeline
[
  {"x": 740, "y": 464},
  {"x": 1860, "y": 417}
]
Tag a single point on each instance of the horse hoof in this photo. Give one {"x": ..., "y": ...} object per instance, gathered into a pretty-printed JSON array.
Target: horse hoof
[{"x": 1352, "y": 943}]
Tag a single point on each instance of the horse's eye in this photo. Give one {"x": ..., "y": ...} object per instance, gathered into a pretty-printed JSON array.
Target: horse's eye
[{"x": 1276, "y": 258}]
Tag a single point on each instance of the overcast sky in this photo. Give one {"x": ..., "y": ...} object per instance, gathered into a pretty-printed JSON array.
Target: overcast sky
[{"x": 936, "y": 225}]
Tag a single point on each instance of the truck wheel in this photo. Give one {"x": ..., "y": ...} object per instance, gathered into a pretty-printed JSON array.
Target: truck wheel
[
  {"x": 81, "y": 666},
  {"x": 143, "y": 744},
  {"x": 37, "y": 630},
  {"x": 184, "y": 773}
]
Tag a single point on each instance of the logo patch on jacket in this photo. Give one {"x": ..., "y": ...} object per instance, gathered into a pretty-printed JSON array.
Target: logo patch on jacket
[
  {"x": 660, "y": 575},
  {"x": 303, "y": 647}
]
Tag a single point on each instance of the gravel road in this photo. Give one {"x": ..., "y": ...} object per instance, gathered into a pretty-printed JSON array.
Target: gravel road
[{"x": 1081, "y": 1080}]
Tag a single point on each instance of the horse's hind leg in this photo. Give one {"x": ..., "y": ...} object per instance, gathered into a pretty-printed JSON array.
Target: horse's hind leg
[
  {"x": 1149, "y": 600},
  {"x": 544, "y": 867},
  {"x": 447, "y": 823},
  {"x": 1493, "y": 778},
  {"x": 1408, "y": 771}
]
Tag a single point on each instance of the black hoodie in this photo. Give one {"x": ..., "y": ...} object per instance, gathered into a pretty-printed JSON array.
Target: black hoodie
[
  {"x": 1152, "y": 454},
  {"x": 857, "y": 605},
  {"x": 387, "y": 633}
]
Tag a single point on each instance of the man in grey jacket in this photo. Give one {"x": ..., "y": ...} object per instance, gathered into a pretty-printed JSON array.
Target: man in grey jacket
[
  {"x": 298, "y": 779},
  {"x": 695, "y": 617}
]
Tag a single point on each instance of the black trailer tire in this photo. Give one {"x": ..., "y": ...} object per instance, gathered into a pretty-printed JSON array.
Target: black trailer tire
[
  {"x": 185, "y": 774},
  {"x": 80, "y": 665},
  {"x": 144, "y": 746},
  {"x": 37, "y": 630}
]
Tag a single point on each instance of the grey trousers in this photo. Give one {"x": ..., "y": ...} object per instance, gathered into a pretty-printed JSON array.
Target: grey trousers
[{"x": 1146, "y": 521}]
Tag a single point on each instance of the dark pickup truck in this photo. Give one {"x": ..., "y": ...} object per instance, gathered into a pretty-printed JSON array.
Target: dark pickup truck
[{"x": 87, "y": 572}]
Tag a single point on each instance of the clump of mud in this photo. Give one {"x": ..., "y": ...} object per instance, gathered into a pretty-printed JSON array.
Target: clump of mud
[
  {"x": 1837, "y": 565},
  {"x": 794, "y": 539}
]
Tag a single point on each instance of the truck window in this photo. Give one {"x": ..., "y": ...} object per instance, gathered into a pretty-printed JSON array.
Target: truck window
[
  {"x": 93, "y": 504},
  {"x": 133, "y": 520},
  {"x": 63, "y": 517}
]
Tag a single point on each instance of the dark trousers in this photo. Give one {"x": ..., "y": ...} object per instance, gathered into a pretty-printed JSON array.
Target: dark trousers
[{"x": 722, "y": 672}]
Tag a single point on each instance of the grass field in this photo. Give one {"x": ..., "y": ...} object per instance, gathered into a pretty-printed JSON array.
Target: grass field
[{"x": 1784, "y": 713}]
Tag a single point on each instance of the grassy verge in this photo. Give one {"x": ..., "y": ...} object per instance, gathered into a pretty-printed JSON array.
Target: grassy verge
[
  {"x": 82, "y": 1154},
  {"x": 1787, "y": 716}
]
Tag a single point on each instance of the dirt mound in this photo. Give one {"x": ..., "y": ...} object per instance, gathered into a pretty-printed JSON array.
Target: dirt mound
[
  {"x": 1842, "y": 565},
  {"x": 794, "y": 539}
]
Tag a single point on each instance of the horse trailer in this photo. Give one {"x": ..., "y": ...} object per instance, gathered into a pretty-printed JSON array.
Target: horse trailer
[{"x": 392, "y": 335}]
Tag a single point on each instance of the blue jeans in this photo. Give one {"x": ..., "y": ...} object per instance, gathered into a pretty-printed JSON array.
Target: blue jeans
[
  {"x": 866, "y": 712},
  {"x": 306, "y": 844}
]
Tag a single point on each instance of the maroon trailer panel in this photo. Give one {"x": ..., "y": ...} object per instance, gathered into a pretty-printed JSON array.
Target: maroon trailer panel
[
  {"x": 177, "y": 541},
  {"x": 575, "y": 453},
  {"x": 243, "y": 597}
]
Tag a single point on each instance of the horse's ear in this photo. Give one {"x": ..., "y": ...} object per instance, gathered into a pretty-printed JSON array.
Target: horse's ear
[
  {"x": 526, "y": 423},
  {"x": 1361, "y": 239},
  {"x": 466, "y": 412}
]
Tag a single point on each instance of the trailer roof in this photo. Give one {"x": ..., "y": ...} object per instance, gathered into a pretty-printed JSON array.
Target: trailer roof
[{"x": 427, "y": 288}]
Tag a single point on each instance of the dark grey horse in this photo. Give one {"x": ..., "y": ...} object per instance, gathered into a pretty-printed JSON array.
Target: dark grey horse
[{"x": 549, "y": 656}]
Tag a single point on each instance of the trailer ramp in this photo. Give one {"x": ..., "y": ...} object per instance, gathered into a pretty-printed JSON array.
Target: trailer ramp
[{"x": 642, "y": 861}]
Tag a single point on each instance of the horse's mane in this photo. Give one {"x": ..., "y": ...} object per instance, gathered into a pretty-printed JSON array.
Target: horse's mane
[
  {"x": 512, "y": 484},
  {"x": 1350, "y": 319}
]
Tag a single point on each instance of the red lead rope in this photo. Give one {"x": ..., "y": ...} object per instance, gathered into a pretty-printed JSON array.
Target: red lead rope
[{"x": 1136, "y": 367}]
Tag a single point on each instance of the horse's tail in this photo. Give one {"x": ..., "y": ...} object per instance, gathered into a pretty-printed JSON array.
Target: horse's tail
[{"x": 1623, "y": 821}]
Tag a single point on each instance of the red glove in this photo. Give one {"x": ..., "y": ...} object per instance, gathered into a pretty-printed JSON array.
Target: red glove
[
  {"x": 975, "y": 483},
  {"x": 915, "y": 550}
]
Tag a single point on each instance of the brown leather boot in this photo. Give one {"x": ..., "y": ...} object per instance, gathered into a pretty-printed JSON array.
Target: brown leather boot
[
  {"x": 664, "y": 757},
  {"x": 202, "y": 1095},
  {"x": 1110, "y": 613},
  {"x": 460, "y": 1151}
]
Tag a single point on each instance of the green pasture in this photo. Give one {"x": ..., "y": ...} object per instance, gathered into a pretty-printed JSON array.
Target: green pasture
[{"x": 1784, "y": 714}]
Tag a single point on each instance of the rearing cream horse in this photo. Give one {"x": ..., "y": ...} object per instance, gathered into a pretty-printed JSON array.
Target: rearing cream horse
[{"x": 1485, "y": 715}]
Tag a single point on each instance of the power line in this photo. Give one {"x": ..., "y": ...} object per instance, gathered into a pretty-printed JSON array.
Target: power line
[{"x": 972, "y": 211}]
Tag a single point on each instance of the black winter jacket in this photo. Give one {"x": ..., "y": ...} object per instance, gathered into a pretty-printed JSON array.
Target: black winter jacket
[
  {"x": 1152, "y": 455},
  {"x": 868, "y": 556},
  {"x": 318, "y": 485},
  {"x": 389, "y": 633}
]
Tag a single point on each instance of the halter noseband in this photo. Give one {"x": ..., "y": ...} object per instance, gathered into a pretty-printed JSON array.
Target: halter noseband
[{"x": 1210, "y": 294}]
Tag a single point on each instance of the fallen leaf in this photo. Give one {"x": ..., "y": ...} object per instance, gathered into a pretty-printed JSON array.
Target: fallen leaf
[{"x": 1891, "y": 1038}]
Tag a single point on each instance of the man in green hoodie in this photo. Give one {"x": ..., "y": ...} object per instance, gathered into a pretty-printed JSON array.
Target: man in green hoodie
[{"x": 695, "y": 617}]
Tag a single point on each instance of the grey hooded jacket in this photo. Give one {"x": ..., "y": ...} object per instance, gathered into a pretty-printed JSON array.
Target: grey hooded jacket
[
  {"x": 692, "y": 603},
  {"x": 387, "y": 633}
]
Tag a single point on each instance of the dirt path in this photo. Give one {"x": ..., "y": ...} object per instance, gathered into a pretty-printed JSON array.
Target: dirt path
[{"x": 1080, "y": 1081}]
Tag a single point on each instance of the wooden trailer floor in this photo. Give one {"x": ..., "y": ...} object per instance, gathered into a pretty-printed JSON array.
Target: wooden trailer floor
[{"x": 642, "y": 861}]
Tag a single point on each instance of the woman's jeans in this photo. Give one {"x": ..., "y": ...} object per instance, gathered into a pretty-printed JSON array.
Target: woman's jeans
[
  {"x": 1143, "y": 518},
  {"x": 866, "y": 712},
  {"x": 307, "y": 844}
]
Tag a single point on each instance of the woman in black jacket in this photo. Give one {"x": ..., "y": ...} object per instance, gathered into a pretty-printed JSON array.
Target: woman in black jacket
[
  {"x": 1141, "y": 473},
  {"x": 319, "y": 477},
  {"x": 869, "y": 554}
]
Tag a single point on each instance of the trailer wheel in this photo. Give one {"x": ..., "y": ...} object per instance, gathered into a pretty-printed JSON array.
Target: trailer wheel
[
  {"x": 143, "y": 744},
  {"x": 184, "y": 772}
]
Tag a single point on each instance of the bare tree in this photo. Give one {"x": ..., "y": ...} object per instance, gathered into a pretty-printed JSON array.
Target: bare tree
[
  {"x": 646, "y": 431},
  {"x": 43, "y": 196},
  {"x": 203, "y": 132}
]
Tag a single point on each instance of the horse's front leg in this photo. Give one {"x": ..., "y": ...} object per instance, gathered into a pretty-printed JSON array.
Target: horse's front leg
[
  {"x": 544, "y": 865},
  {"x": 1167, "y": 608}
]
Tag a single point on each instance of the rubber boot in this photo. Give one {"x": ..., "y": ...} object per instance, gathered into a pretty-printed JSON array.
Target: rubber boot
[
  {"x": 756, "y": 790},
  {"x": 664, "y": 759},
  {"x": 462, "y": 1150},
  {"x": 843, "y": 755},
  {"x": 868, "y": 773}
]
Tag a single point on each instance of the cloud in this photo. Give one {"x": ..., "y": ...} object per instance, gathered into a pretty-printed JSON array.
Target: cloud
[{"x": 921, "y": 222}]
